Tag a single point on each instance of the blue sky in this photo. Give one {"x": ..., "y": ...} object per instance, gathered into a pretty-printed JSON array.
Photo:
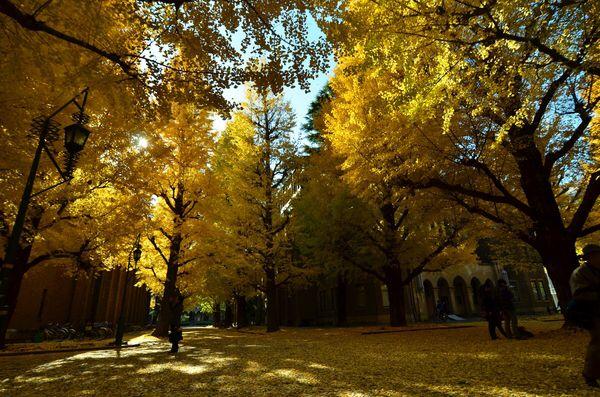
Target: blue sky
[{"x": 299, "y": 100}]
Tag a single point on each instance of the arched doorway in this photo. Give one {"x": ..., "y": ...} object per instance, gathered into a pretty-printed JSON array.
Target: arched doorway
[
  {"x": 444, "y": 293},
  {"x": 460, "y": 296},
  {"x": 429, "y": 298},
  {"x": 475, "y": 286}
]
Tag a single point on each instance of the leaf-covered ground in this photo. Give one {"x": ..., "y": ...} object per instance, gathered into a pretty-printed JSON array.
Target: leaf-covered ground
[
  {"x": 327, "y": 361},
  {"x": 55, "y": 345}
]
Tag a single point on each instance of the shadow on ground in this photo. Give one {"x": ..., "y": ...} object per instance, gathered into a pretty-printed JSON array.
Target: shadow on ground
[{"x": 313, "y": 362}]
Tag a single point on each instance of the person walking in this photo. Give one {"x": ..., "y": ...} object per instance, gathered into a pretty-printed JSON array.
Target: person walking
[
  {"x": 490, "y": 310},
  {"x": 175, "y": 334},
  {"x": 441, "y": 310},
  {"x": 585, "y": 287},
  {"x": 508, "y": 311}
]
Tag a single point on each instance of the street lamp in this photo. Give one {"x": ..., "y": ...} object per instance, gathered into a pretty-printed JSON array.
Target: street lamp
[
  {"x": 136, "y": 251},
  {"x": 76, "y": 136},
  {"x": 46, "y": 128}
]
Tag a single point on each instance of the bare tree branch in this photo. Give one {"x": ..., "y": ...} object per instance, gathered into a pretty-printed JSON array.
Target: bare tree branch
[
  {"x": 152, "y": 239},
  {"x": 29, "y": 22},
  {"x": 447, "y": 242},
  {"x": 443, "y": 185},
  {"x": 554, "y": 156},
  {"x": 590, "y": 230},
  {"x": 515, "y": 202},
  {"x": 587, "y": 204}
]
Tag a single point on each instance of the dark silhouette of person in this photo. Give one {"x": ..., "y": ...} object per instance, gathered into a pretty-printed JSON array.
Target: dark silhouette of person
[
  {"x": 490, "y": 309},
  {"x": 585, "y": 287},
  {"x": 508, "y": 311},
  {"x": 175, "y": 334},
  {"x": 442, "y": 310}
]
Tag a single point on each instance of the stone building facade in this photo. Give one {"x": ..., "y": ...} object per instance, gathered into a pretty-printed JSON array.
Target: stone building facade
[
  {"x": 366, "y": 300},
  {"x": 48, "y": 295},
  {"x": 459, "y": 286}
]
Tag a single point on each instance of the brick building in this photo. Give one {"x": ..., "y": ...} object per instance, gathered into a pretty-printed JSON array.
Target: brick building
[
  {"x": 48, "y": 295},
  {"x": 366, "y": 300}
]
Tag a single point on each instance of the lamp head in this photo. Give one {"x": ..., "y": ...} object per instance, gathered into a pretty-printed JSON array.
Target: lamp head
[
  {"x": 76, "y": 135},
  {"x": 137, "y": 253}
]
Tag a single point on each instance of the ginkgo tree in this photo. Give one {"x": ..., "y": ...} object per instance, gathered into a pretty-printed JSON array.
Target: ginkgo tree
[
  {"x": 79, "y": 225},
  {"x": 256, "y": 163},
  {"x": 189, "y": 49},
  {"x": 228, "y": 275},
  {"x": 489, "y": 102},
  {"x": 225, "y": 280},
  {"x": 71, "y": 224},
  {"x": 178, "y": 176},
  {"x": 136, "y": 57},
  {"x": 329, "y": 223},
  {"x": 350, "y": 218}
]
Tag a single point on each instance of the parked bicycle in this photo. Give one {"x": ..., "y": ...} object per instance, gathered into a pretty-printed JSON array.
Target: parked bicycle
[
  {"x": 60, "y": 332},
  {"x": 100, "y": 330},
  {"x": 442, "y": 317},
  {"x": 55, "y": 331}
]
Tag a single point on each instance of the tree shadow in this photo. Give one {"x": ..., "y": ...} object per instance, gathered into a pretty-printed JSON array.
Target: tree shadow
[{"x": 308, "y": 362}]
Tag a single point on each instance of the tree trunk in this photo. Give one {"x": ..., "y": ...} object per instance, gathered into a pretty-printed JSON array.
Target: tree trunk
[
  {"x": 166, "y": 312},
  {"x": 341, "y": 300},
  {"x": 16, "y": 278},
  {"x": 228, "y": 320},
  {"x": 240, "y": 311},
  {"x": 553, "y": 241},
  {"x": 258, "y": 304},
  {"x": 21, "y": 266},
  {"x": 272, "y": 307},
  {"x": 560, "y": 259},
  {"x": 217, "y": 315},
  {"x": 396, "y": 297},
  {"x": 170, "y": 292}
]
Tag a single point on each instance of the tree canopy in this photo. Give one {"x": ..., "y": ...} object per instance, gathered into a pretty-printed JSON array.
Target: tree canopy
[
  {"x": 445, "y": 124},
  {"x": 490, "y": 103}
]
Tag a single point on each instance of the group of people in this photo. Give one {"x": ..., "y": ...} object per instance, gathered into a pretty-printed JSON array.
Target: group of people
[{"x": 498, "y": 308}]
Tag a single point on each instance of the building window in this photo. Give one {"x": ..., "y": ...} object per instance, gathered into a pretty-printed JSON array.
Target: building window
[
  {"x": 537, "y": 286},
  {"x": 361, "y": 296},
  {"x": 332, "y": 298},
  {"x": 42, "y": 304},
  {"x": 324, "y": 301},
  {"x": 542, "y": 290},
  {"x": 534, "y": 289},
  {"x": 384, "y": 296},
  {"x": 458, "y": 295},
  {"x": 514, "y": 287}
]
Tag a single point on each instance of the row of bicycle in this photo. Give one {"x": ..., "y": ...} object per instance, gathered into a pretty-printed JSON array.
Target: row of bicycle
[{"x": 55, "y": 331}]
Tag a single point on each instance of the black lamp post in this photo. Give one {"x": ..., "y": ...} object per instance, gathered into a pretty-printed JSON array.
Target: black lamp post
[
  {"x": 136, "y": 252},
  {"x": 47, "y": 128}
]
